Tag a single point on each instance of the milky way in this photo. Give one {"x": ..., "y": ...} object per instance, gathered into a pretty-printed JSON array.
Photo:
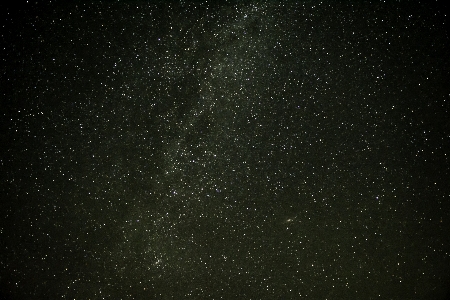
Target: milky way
[{"x": 253, "y": 150}]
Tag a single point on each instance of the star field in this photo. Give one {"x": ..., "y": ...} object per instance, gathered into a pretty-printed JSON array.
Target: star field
[{"x": 241, "y": 150}]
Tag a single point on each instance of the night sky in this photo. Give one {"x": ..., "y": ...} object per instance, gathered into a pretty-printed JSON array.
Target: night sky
[{"x": 241, "y": 150}]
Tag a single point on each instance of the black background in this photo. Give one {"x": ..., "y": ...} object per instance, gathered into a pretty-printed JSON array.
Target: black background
[{"x": 251, "y": 150}]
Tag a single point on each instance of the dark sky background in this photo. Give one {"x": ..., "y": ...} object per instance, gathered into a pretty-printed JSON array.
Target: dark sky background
[{"x": 251, "y": 150}]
